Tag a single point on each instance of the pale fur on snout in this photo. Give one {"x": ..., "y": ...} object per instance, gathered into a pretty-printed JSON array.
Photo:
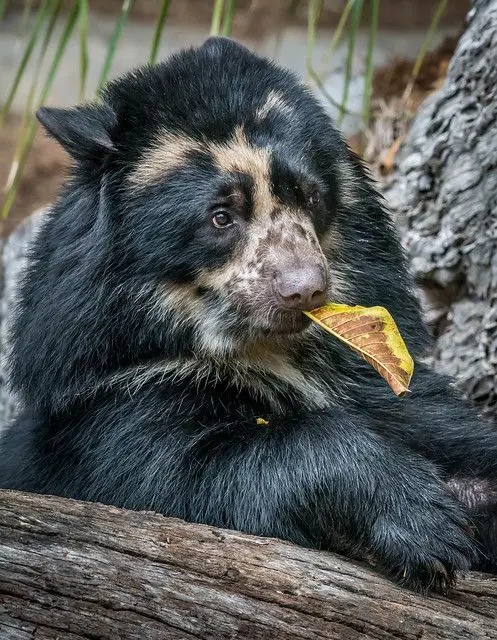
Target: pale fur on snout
[{"x": 287, "y": 239}]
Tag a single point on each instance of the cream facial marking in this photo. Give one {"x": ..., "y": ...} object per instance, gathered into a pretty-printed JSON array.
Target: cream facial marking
[
  {"x": 170, "y": 151},
  {"x": 274, "y": 102},
  {"x": 277, "y": 237},
  {"x": 272, "y": 242},
  {"x": 236, "y": 154}
]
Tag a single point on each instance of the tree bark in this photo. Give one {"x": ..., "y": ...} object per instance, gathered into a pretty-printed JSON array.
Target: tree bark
[
  {"x": 73, "y": 570},
  {"x": 444, "y": 197}
]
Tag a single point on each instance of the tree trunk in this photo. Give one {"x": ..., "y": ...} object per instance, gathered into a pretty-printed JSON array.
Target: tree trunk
[
  {"x": 444, "y": 197},
  {"x": 72, "y": 570}
]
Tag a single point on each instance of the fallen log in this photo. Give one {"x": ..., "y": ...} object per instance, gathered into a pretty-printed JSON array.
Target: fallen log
[{"x": 71, "y": 570}]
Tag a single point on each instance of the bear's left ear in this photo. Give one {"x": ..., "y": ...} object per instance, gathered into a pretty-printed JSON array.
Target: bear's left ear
[{"x": 83, "y": 131}]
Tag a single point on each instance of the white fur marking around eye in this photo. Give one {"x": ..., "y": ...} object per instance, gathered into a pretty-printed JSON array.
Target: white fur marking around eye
[{"x": 237, "y": 154}]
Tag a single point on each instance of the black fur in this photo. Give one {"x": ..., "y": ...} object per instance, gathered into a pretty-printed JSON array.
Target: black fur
[{"x": 366, "y": 475}]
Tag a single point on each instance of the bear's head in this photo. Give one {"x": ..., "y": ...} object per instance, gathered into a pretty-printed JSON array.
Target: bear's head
[{"x": 230, "y": 203}]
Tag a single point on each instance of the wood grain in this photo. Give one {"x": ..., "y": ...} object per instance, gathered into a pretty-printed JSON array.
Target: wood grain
[{"x": 72, "y": 570}]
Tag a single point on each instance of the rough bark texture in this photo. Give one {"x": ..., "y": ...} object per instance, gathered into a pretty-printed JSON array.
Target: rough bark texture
[
  {"x": 444, "y": 197},
  {"x": 72, "y": 570}
]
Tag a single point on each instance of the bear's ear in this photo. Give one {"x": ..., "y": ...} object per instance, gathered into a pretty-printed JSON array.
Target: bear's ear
[
  {"x": 216, "y": 45},
  {"x": 84, "y": 131}
]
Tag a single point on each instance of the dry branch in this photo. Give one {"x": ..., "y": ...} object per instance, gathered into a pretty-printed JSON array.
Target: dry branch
[{"x": 73, "y": 570}]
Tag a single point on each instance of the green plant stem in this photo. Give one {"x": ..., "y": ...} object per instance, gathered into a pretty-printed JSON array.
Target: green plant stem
[
  {"x": 26, "y": 12},
  {"x": 83, "y": 46},
  {"x": 54, "y": 11},
  {"x": 30, "y": 131},
  {"x": 229, "y": 14},
  {"x": 217, "y": 13},
  {"x": 337, "y": 36},
  {"x": 368, "y": 81},
  {"x": 161, "y": 20},
  {"x": 314, "y": 11},
  {"x": 356, "y": 18},
  {"x": 35, "y": 33},
  {"x": 116, "y": 36},
  {"x": 3, "y": 8},
  {"x": 28, "y": 110},
  {"x": 442, "y": 5},
  {"x": 315, "y": 7}
]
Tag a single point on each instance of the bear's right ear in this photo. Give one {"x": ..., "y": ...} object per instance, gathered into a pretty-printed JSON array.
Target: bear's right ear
[{"x": 84, "y": 131}]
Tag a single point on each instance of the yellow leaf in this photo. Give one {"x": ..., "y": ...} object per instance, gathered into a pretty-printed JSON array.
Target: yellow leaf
[
  {"x": 371, "y": 332},
  {"x": 262, "y": 422}
]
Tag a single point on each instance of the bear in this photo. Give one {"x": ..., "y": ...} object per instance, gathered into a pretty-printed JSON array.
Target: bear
[{"x": 161, "y": 353}]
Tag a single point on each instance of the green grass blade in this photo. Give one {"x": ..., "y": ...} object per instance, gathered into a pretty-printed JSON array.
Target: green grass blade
[
  {"x": 217, "y": 13},
  {"x": 368, "y": 81},
  {"x": 337, "y": 36},
  {"x": 61, "y": 47},
  {"x": 35, "y": 34},
  {"x": 161, "y": 20},
  {"x": 17, "y": 170},
  {"x": 292, "y": 7},
  {"x": 315, "y": 7},
  {"x": 319, "y": 83},
  {"x": 26, "y": 12},
  {"x": 229, "y": 14},
  {"x": 28, "y": 110},
  {"x": 54, "y": 11},
  {"x": 313, "y": 13},
  {"x": 30, "y": 131},
  {"x": 442, "y": 5},
  {"x": 116, "y": 36},
  {"x": 354, "y": 26},
  {"x": 3, "y": 8},
  {"x": 83, "y": 46}
]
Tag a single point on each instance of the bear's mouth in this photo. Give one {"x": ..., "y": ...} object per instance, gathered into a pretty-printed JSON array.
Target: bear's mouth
[{"x": 287, "y": 323}]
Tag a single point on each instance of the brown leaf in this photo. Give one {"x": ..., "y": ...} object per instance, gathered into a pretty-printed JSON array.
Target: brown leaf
[{"x": 373, "y": 334}]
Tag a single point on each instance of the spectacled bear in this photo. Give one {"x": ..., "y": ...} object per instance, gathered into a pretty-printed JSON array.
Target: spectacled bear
[{"x": 160, "y": 318}]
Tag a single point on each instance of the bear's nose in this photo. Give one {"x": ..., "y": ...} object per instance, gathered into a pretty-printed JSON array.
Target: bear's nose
[{"x": 302, "y": 288}]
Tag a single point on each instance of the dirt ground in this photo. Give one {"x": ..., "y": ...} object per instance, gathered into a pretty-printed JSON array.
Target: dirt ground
[
  {"x": 43, "y": 174},
  {"x": 395, "y": 100},
  {"x": 47, "y": 163}
]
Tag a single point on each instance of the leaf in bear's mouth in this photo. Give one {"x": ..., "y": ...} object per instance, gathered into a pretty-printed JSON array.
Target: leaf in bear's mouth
[{"x": 371, "y": 332}]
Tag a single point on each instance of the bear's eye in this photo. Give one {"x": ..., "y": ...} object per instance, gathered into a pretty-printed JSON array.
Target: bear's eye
[
  {"x": 222, "y": 219},
  {"x": 314, "y": 198}
]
